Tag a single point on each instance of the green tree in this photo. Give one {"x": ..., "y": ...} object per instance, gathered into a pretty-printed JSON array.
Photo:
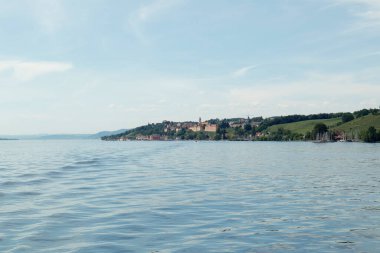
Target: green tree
[
  {"x": 181, "y": 133},
  {"x": 247, "y": 127},
  {"x": 370, "y": 135},
  {"x": 224, "y": 124},
  {"x": 346, "y": 117},
  {"x": 239, "y": 132},
  {"x": 308, "y": 135},
  {"x": 361, "y": 113},
  {"x": 217, "y": 137},
  {"x": 221, "y": 130},
  {"x": 319, "y": 128},
  {"x": 190, "y": 135},
  {"x": 201, "y": 136},
  {"x": 231, "y": 136}
]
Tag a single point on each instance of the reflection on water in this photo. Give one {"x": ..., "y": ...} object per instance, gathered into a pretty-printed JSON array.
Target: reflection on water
[{"x": 93, "y": 196}]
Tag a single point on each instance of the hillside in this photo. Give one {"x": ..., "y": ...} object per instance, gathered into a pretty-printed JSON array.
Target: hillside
[
  {"x": 360, "y": 124},
  {"x": 305, "y": 126}
]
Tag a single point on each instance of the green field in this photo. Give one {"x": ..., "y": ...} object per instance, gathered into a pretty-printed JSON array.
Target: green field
[
  {"x": 360, "y": 124},
  {"x": 305, "y": 126}
]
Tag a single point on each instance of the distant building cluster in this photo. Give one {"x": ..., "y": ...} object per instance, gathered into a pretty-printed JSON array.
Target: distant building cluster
[
  {"x": 169, "y": 130},
  {"x": 193, "y": 126},
  {"x": 153, "y": 137},
  {"x": 140, "y": 137},
  {"x": 241, "y": 122},
  {"x": 361, "y": 125}
]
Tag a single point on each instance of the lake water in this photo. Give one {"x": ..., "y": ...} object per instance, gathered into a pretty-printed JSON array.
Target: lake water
[{"x": 94, "y": 196}]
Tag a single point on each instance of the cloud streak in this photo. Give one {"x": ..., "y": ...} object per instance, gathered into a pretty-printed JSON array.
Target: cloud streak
[
  {"x": 243, "y": 71},
  {"x": 50, "y": 15},
  {"x": 368, "y": 15},
  {"x": 147, "y": 13},
  {"x": 315, "y": 93},
  {"x": 28, "y": 70}
]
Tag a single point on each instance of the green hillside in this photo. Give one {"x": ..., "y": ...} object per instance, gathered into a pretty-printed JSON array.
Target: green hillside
[
  {"x": 304, "y": 126},
  {"x": 360, "y": 124}
]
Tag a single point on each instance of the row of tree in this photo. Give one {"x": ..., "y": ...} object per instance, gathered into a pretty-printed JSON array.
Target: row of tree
[
  {"x": 281, "y": 134},
  {"x": 365, "y": 112},
  {"x": 345, "y": 116},
  {"x": 371, "y": 135},
  {"x": 296, "y": 118},
  {"x": 149, "y": 129}
]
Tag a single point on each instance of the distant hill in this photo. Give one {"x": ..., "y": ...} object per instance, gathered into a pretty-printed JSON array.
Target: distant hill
[
  {"x": 63, "y": 136},
  {"x": 357, "y": 125},
  {"x": 107, "y": 133},
  {"x": 360, "y": 124},
  {"x": 305, "y": 126}
]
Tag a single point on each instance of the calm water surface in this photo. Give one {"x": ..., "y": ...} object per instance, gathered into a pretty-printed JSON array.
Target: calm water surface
[{"x": 93, "y": 196}]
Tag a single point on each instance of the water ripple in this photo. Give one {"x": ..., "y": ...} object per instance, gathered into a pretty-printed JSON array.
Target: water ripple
[{"x": 92, "y": 196}]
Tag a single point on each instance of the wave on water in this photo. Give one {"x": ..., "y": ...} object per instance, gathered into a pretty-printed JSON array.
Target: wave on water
[{"x": 87, "y": 196}]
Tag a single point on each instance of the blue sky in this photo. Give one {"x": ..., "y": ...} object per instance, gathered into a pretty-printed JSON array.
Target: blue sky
[{"x": 69, "y": 66}]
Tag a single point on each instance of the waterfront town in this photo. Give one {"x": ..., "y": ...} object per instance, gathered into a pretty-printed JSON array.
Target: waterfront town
[
  {"x": 209, "y": 129},
  {"x": 360, "y": 125}
]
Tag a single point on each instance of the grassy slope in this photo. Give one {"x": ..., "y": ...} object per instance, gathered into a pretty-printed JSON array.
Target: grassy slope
[
  {"x": 304, "y": 126},
  {"x": 360, "y": 124}
]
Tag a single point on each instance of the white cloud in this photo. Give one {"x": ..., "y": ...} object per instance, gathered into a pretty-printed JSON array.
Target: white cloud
[
  {"x": 315, "y": 93},
  {"x": 155, "y": 8},
  {"x": 376, "y": 53},
  {"x": 243, "y": 71},
  {"x": 149, "y": 12},
  {"x": 50, "y": 15},
  {"x": 28, "y": 70},
  {"x": 367, "y": 2},
  {"x": 367, "y": 11}
]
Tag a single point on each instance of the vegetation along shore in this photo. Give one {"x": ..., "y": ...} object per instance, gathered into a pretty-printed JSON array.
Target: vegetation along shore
[{"x": 362, "y": 125}]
